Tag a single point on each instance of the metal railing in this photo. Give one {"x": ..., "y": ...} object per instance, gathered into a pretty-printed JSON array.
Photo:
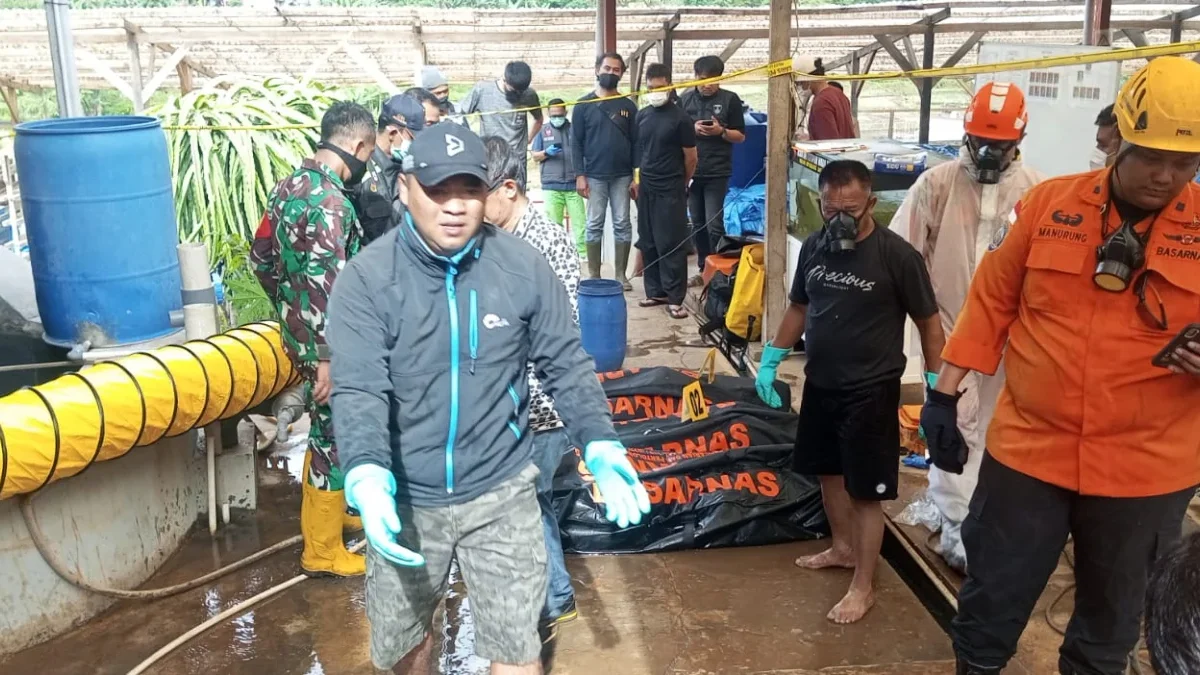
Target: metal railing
[{"x": 12, "y": 217}]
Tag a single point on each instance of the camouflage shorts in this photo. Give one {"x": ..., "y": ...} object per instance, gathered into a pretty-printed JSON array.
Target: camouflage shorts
[{"x": 497, "y": 539}]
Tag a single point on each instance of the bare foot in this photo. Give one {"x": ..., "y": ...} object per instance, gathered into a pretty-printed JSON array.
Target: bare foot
[
  {"x": 830, "y": 557},
  {"x": 852, "y": 607}
]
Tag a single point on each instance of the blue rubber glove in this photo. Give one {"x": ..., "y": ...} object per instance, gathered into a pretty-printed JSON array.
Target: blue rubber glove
[
  {"x": 772, "y": 356},
  {"x": 930, "y": 383},
  {"x": 625, "y": 498},
  {"x": 554, "y": 150},
  {"x": 371, "y": 490}
]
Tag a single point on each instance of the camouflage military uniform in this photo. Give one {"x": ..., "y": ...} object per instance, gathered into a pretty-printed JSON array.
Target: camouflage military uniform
[{"x": 308, "y": 233}]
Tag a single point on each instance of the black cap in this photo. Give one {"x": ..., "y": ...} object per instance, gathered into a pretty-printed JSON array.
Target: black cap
[
  {"x": 443, "y": 151},
  {"x": 403, "y": 109}
]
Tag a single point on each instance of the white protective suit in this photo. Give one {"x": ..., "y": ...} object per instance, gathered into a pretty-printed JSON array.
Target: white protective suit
[{"x": 951, "y": 219}]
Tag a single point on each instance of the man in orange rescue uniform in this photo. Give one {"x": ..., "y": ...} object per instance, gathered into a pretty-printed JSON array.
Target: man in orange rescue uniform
[{"x": 1096, "y": 274}]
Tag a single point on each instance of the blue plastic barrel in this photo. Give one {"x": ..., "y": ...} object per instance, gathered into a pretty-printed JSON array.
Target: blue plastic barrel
[
  {"x": 101, "y": 226},
  {"x": 602, "y": 324},
  {"x": 750, "y": 156}
]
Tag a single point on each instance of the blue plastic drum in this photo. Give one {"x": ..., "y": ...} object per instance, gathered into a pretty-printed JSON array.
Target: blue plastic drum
[
  {"x": 603, "y": 322},
  {"x": 101, "y": 225}
]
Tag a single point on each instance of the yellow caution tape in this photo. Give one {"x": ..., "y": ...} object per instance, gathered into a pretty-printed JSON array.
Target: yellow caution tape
[{"x": 784, "y": 67}]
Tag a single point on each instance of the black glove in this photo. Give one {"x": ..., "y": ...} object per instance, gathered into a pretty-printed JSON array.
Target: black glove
[{"x": 939, "y": 421}]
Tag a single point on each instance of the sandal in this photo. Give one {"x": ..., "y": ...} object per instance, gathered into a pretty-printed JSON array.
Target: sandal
[
  {"x": 677, "y": 312},
  {"x": 652, "y": 302}
]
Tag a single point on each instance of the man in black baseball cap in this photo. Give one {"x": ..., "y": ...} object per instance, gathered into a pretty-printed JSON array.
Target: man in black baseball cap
[{"x": 431, "y": 331}]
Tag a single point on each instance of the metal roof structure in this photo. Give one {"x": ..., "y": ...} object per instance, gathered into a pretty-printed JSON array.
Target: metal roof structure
[{"x": 138, "y": 51}]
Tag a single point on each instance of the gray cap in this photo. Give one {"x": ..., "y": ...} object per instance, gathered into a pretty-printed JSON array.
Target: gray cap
[{"x": 432, "y": 78}]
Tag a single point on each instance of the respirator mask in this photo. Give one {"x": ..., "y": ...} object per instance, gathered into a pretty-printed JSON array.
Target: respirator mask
[
  {"x": 1122, "y": 253},
  {"x": 658, "y": 98},
  {"x": 842, "y": 230},
  {"x": 357, "y": 167},
  {"x": 989, "y": 161}
]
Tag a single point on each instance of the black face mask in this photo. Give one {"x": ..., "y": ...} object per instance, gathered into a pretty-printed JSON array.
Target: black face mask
[
  {"x": 357, "y": 167},
  {"x": 1121, "y": 254},
  {"x": 843, "y": 231},
  {"x": 444, "y": 101},
  {"x": 513, "y": 95},
  {"x": 608, "y": 80}
]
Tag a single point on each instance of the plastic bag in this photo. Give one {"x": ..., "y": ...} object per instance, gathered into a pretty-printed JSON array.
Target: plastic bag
[
  {"x": 726, "y": 480},
  {"x": 922, "y": 512}
]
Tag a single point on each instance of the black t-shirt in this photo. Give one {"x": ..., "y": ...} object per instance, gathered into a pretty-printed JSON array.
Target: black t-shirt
[
  {"x": 603, "y": 137},
  {"x": 857, "y": 303},
  {"x": 662, "y": 134},
  {"x": 716, "y": 153}
]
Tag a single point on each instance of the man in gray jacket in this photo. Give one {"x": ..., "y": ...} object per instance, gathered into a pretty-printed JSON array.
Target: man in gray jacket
[{"x": 431, "y": 331}]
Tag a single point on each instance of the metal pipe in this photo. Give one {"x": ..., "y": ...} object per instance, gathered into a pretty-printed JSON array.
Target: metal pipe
[
  {"x": 35, "y": 366},
  {"x": 199, "y": 322},
  {"x": 62, "y": 56}
]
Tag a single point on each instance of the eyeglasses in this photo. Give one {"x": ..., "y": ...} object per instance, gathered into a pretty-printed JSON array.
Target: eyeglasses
[{"x": 1145, "y": 311}]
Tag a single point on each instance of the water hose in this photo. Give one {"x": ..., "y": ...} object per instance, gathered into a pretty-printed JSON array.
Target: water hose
[
  {"x": 227, "y": 614},
  {"x": 58, "y": 429},
  {"x": 51, "y": 558}
]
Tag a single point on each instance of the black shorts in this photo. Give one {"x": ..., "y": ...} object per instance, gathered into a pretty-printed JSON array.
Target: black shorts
[{"x": 853, "y": 433}]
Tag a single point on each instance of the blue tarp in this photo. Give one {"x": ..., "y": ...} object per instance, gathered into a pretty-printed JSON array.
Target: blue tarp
[{"x": 745, "y": 211}]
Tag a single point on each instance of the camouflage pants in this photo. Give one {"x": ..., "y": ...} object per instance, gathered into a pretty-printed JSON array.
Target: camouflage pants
[{"x": 324, "y": 472}]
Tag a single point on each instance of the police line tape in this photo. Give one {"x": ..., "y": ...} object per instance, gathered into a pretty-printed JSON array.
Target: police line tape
[{"x": 782, "y": 68}]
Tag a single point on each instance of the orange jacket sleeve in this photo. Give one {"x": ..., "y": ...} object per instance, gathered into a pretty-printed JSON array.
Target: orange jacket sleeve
[{"x": 977, "y": 342}]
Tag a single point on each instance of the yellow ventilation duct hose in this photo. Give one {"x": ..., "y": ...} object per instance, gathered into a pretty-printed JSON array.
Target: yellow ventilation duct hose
[{"x": 59, "y": 429}]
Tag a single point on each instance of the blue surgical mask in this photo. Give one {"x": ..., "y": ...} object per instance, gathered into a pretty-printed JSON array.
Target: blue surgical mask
[
  {"x": 557, "y": 122},
  {"x": 401, "y": 152}
]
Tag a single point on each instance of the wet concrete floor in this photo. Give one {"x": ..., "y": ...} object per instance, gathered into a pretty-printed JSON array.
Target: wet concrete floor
[{"x": 746, "y": 610}]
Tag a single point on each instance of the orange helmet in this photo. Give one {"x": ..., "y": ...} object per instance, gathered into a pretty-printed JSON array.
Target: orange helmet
[{"x": 997, "y": 112}]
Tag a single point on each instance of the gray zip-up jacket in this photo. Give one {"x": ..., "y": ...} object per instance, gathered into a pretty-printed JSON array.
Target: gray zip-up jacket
[{"x": 429, "y": 363}]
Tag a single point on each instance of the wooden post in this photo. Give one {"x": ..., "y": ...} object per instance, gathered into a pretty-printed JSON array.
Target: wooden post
[
  {"x": 779, "y": 133},
  {"x": 135, "y": 69},
  {"x": 1176, "y": 30},
  {"x": 854, "y": 66},
  {"x": 184, "y": 71},
  {"x": 1096, "y": 21},
  {"x": 606, "y": 26},
  {"x": 10, "y": 99},
  {"x": 926, "y": 86},
  {"x": 857, "y": 87},
  {"x": 668, "y": 44}
]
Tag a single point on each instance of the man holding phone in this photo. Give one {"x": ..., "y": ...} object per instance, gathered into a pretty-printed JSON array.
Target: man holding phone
[{"x": 1093, "y": 276}]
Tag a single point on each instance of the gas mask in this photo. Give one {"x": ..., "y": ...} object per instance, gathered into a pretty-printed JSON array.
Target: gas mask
[
  {"x": 1121, "y": 254},
  {"x": 1099, "y": 159},
  {"x": 842, "y": 229},
  {"x": 608, "y": 80},
  {"x": 989, "y": 160},
  {"x": 357, "y": 167}
]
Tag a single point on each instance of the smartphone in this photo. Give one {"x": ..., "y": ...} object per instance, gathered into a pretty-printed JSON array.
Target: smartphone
[
  {"x": 706, "y": 123},
  {"x": 1166, "y": 357}
]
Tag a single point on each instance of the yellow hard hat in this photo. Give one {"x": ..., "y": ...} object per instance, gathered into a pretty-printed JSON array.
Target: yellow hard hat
[{"x": 1159, "y": 107}]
